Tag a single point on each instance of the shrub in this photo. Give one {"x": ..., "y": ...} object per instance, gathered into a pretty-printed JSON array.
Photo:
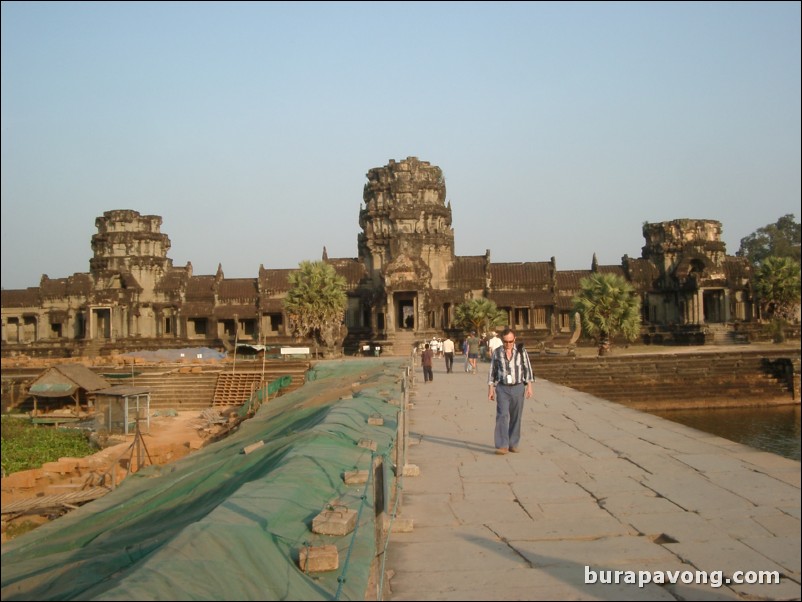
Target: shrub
[{"x": 27, "y": 446}]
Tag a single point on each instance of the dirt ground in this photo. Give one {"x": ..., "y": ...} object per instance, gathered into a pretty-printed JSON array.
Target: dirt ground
[{"x": 168, "y": 438}]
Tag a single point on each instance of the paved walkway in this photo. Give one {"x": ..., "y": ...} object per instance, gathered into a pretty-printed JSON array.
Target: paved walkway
[{"x": 595, "y": 485}]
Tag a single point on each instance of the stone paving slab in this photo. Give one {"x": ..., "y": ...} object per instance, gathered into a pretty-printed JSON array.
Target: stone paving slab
[
  {"x": 694, "y": 493},
  {"x": 543, "y": 528},
  {"x": 519, "y": 584},
  {"x": 548, "y": 491},
  {"x": 760, "y": 489},
  {"x": 677, "y": 525},
  {"x": 596, "y": 485}
]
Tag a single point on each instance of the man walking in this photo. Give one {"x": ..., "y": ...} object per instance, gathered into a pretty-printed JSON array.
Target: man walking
[
  {"x": 509, "y": 381},
  {"x": 448, "y": 351},
  {"x": 426, "y": 362}
]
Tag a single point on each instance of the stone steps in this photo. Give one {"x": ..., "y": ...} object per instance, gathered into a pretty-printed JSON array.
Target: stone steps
[
  {"x": 665, "y": 379},
  {"x": 403, "y": 343},
  {"x": 200, "y": 390}
]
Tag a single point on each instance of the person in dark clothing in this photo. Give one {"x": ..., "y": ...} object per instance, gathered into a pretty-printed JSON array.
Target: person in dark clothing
[{"x": 426, "y": 361}]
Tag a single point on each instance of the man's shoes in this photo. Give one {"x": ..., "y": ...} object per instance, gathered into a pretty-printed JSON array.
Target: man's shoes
[
  {"x": 514, "y": 450},
  {"x": 501, "y": 451}
]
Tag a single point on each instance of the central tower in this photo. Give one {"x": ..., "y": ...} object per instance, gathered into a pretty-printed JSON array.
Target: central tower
[{"x": 406, "y": 243}]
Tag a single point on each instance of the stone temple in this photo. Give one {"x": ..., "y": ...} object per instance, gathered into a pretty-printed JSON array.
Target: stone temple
[{"x": 403, "y": 286}]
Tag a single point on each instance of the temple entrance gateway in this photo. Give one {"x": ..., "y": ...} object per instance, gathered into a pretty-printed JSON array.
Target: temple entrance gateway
[
  {"x": 100, "y": 323},
  {"x": 714, "y": 305},
  {"x": 405, "y": 311}
]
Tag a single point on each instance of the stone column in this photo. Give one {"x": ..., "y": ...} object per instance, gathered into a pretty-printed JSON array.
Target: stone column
[
  {"x": 389, "y": 314},
  {"x": 700, "y": 307},
  {"x": 727, "y": 309}
]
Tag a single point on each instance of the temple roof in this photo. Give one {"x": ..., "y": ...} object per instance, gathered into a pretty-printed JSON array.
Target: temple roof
[{"x": 520, "y": 275}]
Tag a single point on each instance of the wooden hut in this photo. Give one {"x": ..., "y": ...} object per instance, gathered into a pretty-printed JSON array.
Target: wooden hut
[{"x": 67, "y": 383}]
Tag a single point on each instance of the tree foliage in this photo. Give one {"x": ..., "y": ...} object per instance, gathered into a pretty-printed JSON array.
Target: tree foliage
[
  {"x": 316, "y": 303},
  {"x": 608, "y": 306},
  {"x": 777, "y": 283},
  {"x": 780, "y": 239},
  {"x": 479, "y": 315}
]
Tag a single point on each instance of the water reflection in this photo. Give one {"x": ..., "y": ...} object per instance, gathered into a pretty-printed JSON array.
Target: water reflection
[{"x": 773, "y": 429}]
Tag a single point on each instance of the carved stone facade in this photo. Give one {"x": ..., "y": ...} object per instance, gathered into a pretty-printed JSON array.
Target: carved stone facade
[
  {"x": 404, "y": 285},
  {"x": 697, "y": 282}
]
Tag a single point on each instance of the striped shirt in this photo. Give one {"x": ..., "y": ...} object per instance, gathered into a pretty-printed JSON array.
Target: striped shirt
[{"x": 519, "y": 366}]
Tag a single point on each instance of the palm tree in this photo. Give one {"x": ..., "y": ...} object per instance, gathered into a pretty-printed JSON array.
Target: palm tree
[
  {"x": 479, "y": 315},
  {"x": 608, "y": 307},
  {"x": 777, "y": 284},
  {"x": 315, "y": 304}
]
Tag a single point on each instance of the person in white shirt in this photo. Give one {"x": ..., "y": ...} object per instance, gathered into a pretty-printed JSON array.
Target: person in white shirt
[
  {"x": 448, "y": 350},
  {"x": 493, "y": 343}
]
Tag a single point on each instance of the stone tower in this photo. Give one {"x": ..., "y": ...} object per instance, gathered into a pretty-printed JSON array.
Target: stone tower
[
  {"x": 129, "y": 246},
  {"x": 406, "y": 243},
  {"x": 683, "y": 247},
  {"x": 406, "y": 219}
]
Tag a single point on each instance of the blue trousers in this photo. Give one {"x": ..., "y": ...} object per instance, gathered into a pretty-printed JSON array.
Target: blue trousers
[{"x": 509, "y": 411}]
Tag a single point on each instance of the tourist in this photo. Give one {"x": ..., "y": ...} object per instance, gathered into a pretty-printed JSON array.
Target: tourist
[
  {"x": 448, "y": 351},
  {"x": 473, "y": 350},
  {"x": 493, "y": 343},
  {"x": 509, "y": 381},
  {"x": 426, "y": 362}
]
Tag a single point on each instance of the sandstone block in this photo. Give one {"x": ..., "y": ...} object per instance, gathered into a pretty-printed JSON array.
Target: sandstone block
[
  {"x": 368, "y": 444},
  {"x": 355, "y": 477},
  {"x": 338, "y": 520},
  {"x": 19, "y": 480},
  {"x": 252, "y": 447},
  {"x": 411, "y": 470},
  {"x": 51, "y": 467},
  {"x": 399, "y": 525},
  {"x": 318, "y": 559}
]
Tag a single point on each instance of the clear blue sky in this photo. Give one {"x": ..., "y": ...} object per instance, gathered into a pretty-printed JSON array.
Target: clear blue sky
[{"x": 249, "y": 127}]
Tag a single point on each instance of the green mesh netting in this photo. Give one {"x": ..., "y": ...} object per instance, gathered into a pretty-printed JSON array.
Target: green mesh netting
[
  {"x": 225, "y": 525},
  {"x": 264, "y": 393}
]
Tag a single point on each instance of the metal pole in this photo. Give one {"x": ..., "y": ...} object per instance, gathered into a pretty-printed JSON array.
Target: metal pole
[
  {"x": 264, "y": 354},
  {"x": 236, "y": 340}
]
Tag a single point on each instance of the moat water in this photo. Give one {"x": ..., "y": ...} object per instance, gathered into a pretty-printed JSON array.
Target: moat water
[{"x": 772, "y": 429}]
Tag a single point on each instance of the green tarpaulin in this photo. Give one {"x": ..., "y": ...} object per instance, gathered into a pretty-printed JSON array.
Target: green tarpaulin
[{"x": 221, "y": 524}]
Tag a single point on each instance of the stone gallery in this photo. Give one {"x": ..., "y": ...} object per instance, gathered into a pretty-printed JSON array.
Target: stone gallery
[{"x": 403, "y": 286}]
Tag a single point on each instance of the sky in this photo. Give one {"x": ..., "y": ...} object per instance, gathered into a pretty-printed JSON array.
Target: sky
[{"x": 249, "y": 127}]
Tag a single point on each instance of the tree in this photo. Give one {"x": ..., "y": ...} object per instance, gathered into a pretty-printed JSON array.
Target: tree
[
  {"x": 777, "y": 284},
  {"x": 315, "y": 304},
  {"x": 479, "y": 315},
  {"x": 608, "y": 306},
  {"x": 774, "y": 240}
]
